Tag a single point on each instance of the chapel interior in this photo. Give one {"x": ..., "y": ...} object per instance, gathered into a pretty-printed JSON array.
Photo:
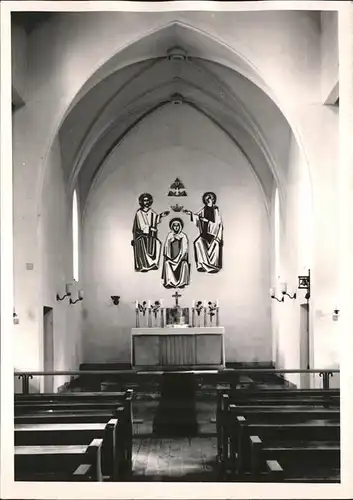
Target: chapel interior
[{"x": 175, "y": 245}]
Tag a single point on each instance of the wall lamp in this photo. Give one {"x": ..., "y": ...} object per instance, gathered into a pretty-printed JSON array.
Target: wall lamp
[
  {"x": 284, "y": 292},
  {"x": 335, "y": 314},
  {"x": 115, "y": 299},
  {"x": 80, "y": 297},
  {"x": 68, "y": 288},
  {"x": 304, "y": 283},
  {"x": 273, "y": 295}
]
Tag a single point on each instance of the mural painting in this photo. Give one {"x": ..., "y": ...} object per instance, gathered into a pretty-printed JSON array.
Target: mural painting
[
  {"x": 176, "y": 267},
  {"x": 145, "y": 242},
  {"x": 209, "y": 244}
]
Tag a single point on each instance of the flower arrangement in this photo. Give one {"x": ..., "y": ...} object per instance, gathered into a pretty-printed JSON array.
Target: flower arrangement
[
  {"x": 156, "y": 307},
  {"x": 212, "y": 307},
  {"x": 199, "y": 307},
  {"x": 142, "y": 307}
]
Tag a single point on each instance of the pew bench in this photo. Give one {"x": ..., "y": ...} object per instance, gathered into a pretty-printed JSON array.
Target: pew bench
[
  {"x": 239, "y": 448},
  {"x": 275, "y": 473},
  {"x": 75, "y": 396},
  {"x": 74, "y": 406},
  {"x": 224, "y": 402},
  {"x": 59, "y": 462},
  {"x": 298, "y": 458},
  {"x": 90, "y": 418},
  {"x": 72, "y": 433}
]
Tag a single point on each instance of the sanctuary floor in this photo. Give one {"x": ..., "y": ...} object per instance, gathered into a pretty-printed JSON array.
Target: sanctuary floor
[{"x": 174, "y": 459}]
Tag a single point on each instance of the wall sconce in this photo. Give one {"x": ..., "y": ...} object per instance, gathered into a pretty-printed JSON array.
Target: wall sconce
[
  {"x": 15, "y": 317},
  {"x": 273, "y": 295},
  {"x": 68, "y": 288},
  {"x": 115, "y": 299},
  {"x": 335, "y": 314},
  {"x": 80, "y": 297},
  {"x": 284, "y": 291},
  {"x": 304, "y": 283}
]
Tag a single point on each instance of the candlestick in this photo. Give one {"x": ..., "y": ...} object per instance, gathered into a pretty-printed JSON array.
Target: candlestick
[
  {"x": 162, "y": 317},
  {"x": 149, "y": 321},
  {"x": 205, "y": 315},
  {"x": 217, "y": 316},
  {"x": 193, "y": 316},
  {"x": 137, "y": 318}
]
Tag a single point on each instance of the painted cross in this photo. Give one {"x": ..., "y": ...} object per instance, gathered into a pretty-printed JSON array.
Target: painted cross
[{"x": 176, "y": 295}]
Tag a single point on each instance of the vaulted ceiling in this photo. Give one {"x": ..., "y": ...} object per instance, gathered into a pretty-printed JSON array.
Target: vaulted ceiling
[{"x": 173, "y": 67}]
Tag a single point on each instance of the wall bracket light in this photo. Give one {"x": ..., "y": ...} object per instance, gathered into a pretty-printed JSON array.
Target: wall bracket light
[
  {"x": 80, "y": 297},
  {"x": 68, "y": 288},
  {"x": 273, "y": 296},
  {"x": 284, "y": 292}
]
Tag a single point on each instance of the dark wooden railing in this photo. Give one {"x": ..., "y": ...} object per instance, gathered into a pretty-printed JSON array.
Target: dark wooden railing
[{"x": 26, "y": 376}]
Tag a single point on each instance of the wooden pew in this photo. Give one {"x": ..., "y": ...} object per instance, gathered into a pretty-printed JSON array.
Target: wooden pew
[
  {"x": 265, "y": 398},
  {"x": 244, "y": 427},
  {"x": 79, "y": 416},
  {"x": 275, "y": 473},
  {"x": 89, "y": 419},
  {"x": 73, "y": 433},
  {"x": 73, "y": 396},
  {"x": 59, "y": 462},
  {"x": 299, "y": 457},
  {"x": 74, "y": 406}
]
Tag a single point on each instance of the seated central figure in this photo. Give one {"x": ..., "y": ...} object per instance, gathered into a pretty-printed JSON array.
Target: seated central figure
[{"x": 176, "y": 267}]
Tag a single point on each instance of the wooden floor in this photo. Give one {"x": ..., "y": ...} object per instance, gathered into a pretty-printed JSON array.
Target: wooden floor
[{"x": 174, "y": 459}]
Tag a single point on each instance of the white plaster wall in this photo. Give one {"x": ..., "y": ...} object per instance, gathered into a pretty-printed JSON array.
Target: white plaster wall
[
  {"x": 53, "y": 270},
  {"x": 176, "y": 141},
  {"x": 292, "y": 251},
  {"x": 329, "y": 54},
  {"x": 19, "y": 62},
  {"x": 309, "y": 240}
]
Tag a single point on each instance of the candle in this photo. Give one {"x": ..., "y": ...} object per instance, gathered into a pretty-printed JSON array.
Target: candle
[
  {"x": 80, "y": 294},
  {"x": 284, "y": 287},
  {"x": 149, "y": 304},
  {"x": 217, "y": 303},
  {"x": 193, "y": 304},
  {"x": 161, "y": 302},
  {"x": 68, "y": 288},
  {"x": 137, "y": 304},
  {"x": 272, "y": 292}
]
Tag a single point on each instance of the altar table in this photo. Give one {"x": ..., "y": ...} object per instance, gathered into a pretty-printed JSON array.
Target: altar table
[{"x": 177, "y": 348}]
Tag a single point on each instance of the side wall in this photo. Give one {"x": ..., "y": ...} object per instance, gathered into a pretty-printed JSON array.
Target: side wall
[{"x": 54, "y": 233}]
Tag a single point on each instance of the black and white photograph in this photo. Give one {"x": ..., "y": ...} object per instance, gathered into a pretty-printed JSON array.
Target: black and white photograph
[{"x": 176, "y": 249}]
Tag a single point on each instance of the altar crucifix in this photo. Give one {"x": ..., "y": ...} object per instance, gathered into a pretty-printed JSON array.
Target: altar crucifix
[
  {"x": 176, "y": 295},
  {"x": 177, "y": 316}
]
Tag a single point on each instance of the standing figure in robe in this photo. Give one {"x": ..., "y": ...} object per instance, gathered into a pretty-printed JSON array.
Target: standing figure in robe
[
  {"x": 176, "y": 267},
  {"x": 146, "y": 245},
  {"x": 209, "y": 244}
]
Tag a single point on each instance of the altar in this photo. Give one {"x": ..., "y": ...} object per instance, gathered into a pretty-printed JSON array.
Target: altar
[
  {"x": 172, "y": 339},
  {"x": 177, "y": 348}
]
